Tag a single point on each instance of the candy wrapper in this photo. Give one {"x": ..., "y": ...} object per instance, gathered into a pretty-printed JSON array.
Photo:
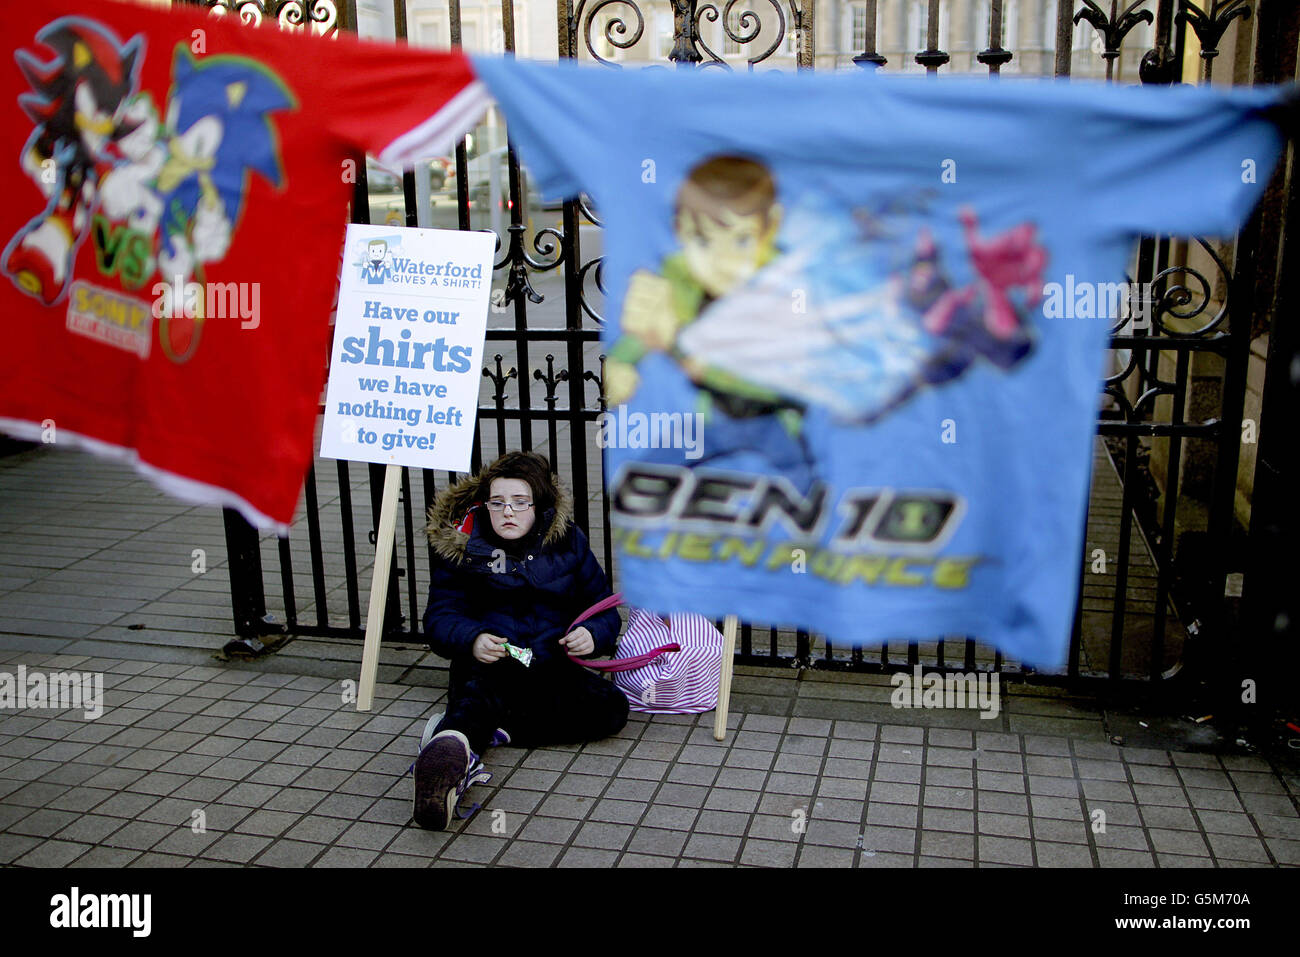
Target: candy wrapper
[{"x": 522, "y": 655}]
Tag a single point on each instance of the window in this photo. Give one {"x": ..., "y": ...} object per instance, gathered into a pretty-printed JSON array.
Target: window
[
  {"x": 859, "y": 27},
  {"x": 469, "y": 35},
  {"x": 790, "y": 43},
  {"x": 430, "y": 30},
  {"x": 916, "y": 27},
  {"x": 601, "y": 42},
  {"x": 980, "y": 23},
  {"x": 662, "y": 23},
  {"x": 730, "y": 47},
  {"x": 918, "y": 31},
  {"x": 374, "y": 22}
]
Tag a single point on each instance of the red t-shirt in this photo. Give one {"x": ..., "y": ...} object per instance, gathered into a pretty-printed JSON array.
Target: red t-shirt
[{"x": 171, "y": 239}]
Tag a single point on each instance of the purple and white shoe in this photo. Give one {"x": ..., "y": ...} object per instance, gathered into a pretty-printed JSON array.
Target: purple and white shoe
[
  {"x": 444, "y": 771},
  {"x": 500, "y": 737}
]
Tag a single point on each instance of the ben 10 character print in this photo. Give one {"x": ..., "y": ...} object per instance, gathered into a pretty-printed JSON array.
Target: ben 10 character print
[{"x": 773, "y": 315}]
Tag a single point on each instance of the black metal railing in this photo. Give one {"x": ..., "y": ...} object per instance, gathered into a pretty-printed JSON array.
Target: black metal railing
[{"x": 555, "y": 408}]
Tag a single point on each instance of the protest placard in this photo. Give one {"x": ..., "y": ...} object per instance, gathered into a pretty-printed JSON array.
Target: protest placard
[
  {"x": 405, "y": 369},
  {"x": 408, "y": 343}
]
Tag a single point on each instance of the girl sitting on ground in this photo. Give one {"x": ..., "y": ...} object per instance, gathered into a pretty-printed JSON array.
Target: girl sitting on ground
[{"x": 510, "y": 573}]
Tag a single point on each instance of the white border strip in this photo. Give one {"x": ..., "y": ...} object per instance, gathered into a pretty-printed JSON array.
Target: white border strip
[
  {"x": 432, "y": 137},
  {"x": 187, "y": 489}
]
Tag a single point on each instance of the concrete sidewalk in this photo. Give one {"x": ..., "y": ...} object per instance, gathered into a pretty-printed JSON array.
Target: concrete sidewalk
[
  {"x": 198, "y": 761},
  {"x": 212, "y": 765}
]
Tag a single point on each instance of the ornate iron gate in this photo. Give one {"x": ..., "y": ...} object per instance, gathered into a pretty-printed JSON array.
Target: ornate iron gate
[{"x": 542, "y": 385}]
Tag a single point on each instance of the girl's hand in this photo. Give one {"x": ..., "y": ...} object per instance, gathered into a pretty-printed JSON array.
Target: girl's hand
[
  {"x": 489, "y": 648},
  {"x": 579, "y": 641}
]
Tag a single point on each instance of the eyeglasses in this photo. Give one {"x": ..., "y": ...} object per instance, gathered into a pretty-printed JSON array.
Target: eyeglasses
[{"x": 516, "y": 504}]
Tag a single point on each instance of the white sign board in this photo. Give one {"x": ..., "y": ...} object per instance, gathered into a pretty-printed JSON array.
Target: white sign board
[{"x": 408, "y": 345}]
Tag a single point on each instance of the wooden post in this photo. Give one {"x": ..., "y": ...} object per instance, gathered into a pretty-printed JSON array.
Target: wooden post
[
  {"x": 724, "y": 679},
  {"x": 379, "y": 587}
]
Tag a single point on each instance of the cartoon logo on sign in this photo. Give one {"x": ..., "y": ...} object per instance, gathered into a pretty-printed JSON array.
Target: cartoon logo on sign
[
  {"x": 376, "y": 259},
  {"x": 159, "y": 195},
  {"x": 852, "y": 313}
]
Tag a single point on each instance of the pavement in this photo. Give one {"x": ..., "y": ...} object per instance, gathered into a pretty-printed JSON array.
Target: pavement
[{"x": 199, "y": 761}]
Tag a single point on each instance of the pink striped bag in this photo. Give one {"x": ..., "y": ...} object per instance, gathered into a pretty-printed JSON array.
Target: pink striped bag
[{"x": 663, "y": 666}]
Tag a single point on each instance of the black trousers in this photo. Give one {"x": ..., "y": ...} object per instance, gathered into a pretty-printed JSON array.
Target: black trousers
[{"x": 555, "y": 702}]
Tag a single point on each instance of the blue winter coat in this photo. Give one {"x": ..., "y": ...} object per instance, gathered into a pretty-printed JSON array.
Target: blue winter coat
[{"x": 529, "y": 599}]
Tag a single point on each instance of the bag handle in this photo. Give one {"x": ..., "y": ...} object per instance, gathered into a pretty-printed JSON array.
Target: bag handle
[
  {"x": 627, "y": 664},
  {"x": 616, "y": 664},
  {"x": 613, "y": 601}
]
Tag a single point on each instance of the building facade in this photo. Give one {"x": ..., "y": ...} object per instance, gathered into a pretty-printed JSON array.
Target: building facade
[{"x": 642, "y": 33}]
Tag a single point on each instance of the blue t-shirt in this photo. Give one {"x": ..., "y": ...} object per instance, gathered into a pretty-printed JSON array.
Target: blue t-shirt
[{"x": 885, "y": 301}]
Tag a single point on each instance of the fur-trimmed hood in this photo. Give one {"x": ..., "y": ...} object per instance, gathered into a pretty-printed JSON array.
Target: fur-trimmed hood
[
  {"x": 451, "y": 505},
  {"x": 529, "y": 595}
]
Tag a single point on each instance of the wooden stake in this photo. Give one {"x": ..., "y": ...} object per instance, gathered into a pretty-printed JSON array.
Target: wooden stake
[
  {"x": 724, "y": 679},
  {"x": 379, "y": 587}
]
